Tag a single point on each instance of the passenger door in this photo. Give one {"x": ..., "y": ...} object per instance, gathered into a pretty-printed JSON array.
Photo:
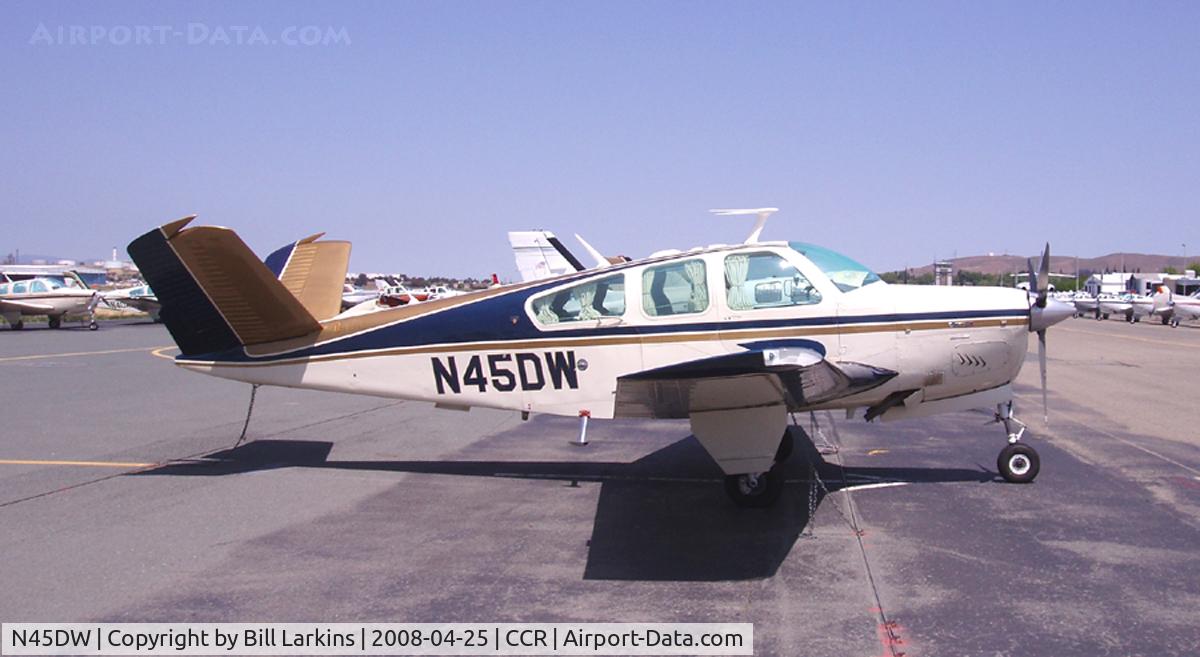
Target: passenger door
[{"x": 765, "y": 296}]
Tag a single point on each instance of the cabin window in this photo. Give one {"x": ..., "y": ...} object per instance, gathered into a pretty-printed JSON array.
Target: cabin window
[
  {"x": 678, "y": 288},
  {"x": 765, "y": 280},
  {"x": 37, "y": 286},
  {"x": 20, "y": 288},
  {"x": 4, "y": 288},
  {"x": 595, "y": 299}
]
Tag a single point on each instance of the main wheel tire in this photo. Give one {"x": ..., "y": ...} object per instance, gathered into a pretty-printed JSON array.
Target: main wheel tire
[
  {"x": 55, "y": 322},
  {"x": 1104, "y": 316},
  {"x": 19, "y": 325},
  {"x": 1166, "y": 320},
  {"x": 786, "y": 444},
  {"x": 1018, "y": 463},
  {"x": 93, "y": 326},
  {"x": 755, "y": 491}
]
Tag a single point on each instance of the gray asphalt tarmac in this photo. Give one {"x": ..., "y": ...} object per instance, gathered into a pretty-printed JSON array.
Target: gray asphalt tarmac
[{"x": 123, "y": 499}]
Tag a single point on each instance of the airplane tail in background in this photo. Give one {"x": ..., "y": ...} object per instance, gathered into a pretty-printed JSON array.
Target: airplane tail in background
[
  {"x": 540, "y": 255},
  {"x": 1162, "y": 298},
  {"x": 314, "y": 272},
  {"x": 215, "y": 293}
]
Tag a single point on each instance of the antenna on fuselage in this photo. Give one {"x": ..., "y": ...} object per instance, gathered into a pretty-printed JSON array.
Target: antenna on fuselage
[{"x": 762, "y": 213}]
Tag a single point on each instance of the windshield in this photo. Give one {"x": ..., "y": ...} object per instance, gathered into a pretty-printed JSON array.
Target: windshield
[{"x": 845, "y": 273}]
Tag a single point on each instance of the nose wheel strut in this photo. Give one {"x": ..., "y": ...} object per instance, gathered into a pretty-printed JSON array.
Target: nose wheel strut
[{"x": 1018, "y": 463}]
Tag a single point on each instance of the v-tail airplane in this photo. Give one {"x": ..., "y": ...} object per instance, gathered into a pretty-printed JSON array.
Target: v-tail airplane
[
  {"x": 47, "y": 296},
  {"x": 731, "y": 337}
]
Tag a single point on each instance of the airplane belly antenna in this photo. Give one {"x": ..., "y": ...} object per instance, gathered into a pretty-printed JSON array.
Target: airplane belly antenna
[{"x": 762, "y": 214}]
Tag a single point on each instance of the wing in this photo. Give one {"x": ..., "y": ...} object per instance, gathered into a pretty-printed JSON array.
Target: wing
[
  {"x": 766, "y": 373},
  {"x": 14, "y": 305}
]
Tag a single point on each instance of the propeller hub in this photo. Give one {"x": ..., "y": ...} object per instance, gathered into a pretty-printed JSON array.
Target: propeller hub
[{"x": 1055, "y": 311}]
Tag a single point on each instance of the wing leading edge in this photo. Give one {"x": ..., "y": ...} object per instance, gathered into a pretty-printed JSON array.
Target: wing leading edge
[
  {"x": 799, "y": 376},
  {"x": 13, "y": 305}
]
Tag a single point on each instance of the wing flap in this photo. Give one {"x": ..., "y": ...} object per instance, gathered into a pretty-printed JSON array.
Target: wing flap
[{"x": 801, "y": 376}]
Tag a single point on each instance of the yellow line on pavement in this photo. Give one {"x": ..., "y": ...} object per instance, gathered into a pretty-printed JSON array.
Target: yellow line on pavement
[
  {"x": 87, "y": 464},
  {"x": 1119, "y": 336},
  {"x": 7, "y": 359},
  {"x": 159, "y": 352}
]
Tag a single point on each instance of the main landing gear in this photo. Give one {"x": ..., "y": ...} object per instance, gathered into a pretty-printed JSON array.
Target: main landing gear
[
  {"x": 761, "y": 489},
  {"x": 1017, "y": 463}
]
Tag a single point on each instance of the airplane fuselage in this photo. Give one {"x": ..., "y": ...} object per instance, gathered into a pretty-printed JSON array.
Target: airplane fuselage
[{"x": 491, "y": 349}]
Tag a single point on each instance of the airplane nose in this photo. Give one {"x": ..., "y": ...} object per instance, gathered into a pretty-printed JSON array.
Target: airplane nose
[{"x": 1054, "y": 312}]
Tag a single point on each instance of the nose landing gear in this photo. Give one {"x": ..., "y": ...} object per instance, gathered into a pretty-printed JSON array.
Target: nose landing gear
[{"x": 1018, "y": 463}]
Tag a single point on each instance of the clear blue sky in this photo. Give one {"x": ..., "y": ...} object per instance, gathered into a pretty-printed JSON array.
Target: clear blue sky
[{"x": 896, "y": 132}]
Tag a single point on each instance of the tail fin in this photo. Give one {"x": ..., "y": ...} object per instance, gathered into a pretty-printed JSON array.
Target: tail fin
[
  {"x": 314, "y": 272},
  {"x": 1163, "y": 298},
  {"x": 215, "y": 293},
  {"x": 540, "y": 255}
]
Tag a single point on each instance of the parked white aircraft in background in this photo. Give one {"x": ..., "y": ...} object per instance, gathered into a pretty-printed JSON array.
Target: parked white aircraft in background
[
  {"x": 140, "y": 297},
  {"x": 49, "y": 297},
  {"x": 441, "y": 292},
  {"x": 1085, "y": 304},
  {"x": 1133, "y": 306},
  {"x": 733, "y": 337},
  {"x": 1174, "y": 309},
  {"x": 352, "y": 296}
]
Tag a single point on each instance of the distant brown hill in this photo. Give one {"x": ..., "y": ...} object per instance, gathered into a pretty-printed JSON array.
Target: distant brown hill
[{"x": 998, "y": 264}]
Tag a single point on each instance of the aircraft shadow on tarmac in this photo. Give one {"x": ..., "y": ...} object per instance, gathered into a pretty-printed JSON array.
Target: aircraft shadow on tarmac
[{"x": 663, "y": 517}]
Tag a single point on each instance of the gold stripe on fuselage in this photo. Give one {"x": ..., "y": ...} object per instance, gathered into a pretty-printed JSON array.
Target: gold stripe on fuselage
[{"x": 663, "y": 338}]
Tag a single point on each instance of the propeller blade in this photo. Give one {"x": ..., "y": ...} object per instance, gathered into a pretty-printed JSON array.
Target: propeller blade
[
  {"x": 1034, "y": 284},
  {"x": 1044, "y": 278},
  {"x": 1042, "y": 367}
]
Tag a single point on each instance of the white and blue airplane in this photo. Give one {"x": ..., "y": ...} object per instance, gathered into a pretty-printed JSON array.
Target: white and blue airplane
[
  {"x": 47, "y": 295},
  {"x": 732, "y": 337},
  {"x": 138, "y": 297}
]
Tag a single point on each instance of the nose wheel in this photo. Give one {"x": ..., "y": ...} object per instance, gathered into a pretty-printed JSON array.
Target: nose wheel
[{"x": 1018, "y": 463}]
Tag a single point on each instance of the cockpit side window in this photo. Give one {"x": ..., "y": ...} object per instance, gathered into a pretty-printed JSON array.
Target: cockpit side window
[
  {"x": 765, "y": 280},
  {"x": 595, "y": 299},
  {"x": 677, "y": 288},
  {"x": 37, "y": 286}
]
